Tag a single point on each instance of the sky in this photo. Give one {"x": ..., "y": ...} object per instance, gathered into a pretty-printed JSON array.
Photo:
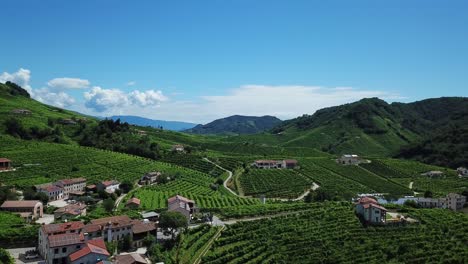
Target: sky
[{"x": 197, "y": 61}]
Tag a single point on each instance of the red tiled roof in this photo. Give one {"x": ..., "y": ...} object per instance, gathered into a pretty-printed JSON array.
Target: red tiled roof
[
  {"x": 20, "y": 204},
  {"x": 130, "y": 259},
  {"x": 60, "y": 228},
  {"x": 142, "y": 227},
  {"x": 72, "y": 181},
  {"x": 120, "y": 220},
  {"x": 74, "y": 209},
  {"x": 89, "y": 228},
  {"x": 290, "y": 161},
  {"x": 65, "y": 239},
  {"x": 4, "y": 160},
  {"x": 179, "y": 198},
  {"x": 50, "y": 188},
  {"x": 267, "y": 161},
  {"x": 109, "y": 183},
  {"x": 366, "y": 199},
  {"x": 92, "y": 247},
  {"x": 134, "y": 201},
  {"x": 374, "y": 206}
]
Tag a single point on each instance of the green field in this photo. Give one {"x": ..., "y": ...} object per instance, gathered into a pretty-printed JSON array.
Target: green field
[
  {"x": 331, "y": 233},
  {"x": 15, "y": 232}
]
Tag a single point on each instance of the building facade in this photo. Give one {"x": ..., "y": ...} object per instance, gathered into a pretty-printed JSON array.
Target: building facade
[
  {"x": 371, "y": 211},
  {"x": 30, "y": 210},
  {"x": 5, "y": 164},
  {"x": 182, "y": 205},
  {"x": 349, "y": 159}
]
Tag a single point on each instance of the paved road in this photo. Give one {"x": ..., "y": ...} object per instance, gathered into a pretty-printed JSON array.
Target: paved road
[
  {"x": 228, "y": 178},
  {"x": 117, "y": 202}
]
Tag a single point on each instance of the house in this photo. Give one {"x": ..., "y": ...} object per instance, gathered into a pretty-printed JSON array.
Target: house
[
  {"x": 108, "y": 186},
  {"x": 31, "y": 210},
  {"x": 57, "y": 241},
  {"x": 53, "y": 192},
  {"x": 178, "y": 148},
  {"x": 109, "y": 228},
  {"x": 150, "y": 216},
  {"x": 71, "y": 185},
  {"x": 141, "y": 229},
  {"x": 349, "y": 159},
  {"x": 275, "y": 164},
  {"x": 132, "y": 258},
  {"x": 70, "y": 211},
  {"x": 455, "y": 201},
  {"x": 149, "y": 178},
  {"x": 462, "y": 172},
  {"x": 5, "y": 164},
  {"x": 182, "y": 205},
  {"x": 21, "y": 112},
  {"x": 430, "y": 202},
  {"x": 92, "y": 252},
  {"x": 289, "y": 164},
  {"x": 91, "y": 188},
  {"x": 433, "y": 174},
  {"x": 370, "y": 211},
  {"x": 133, "y": 203}
]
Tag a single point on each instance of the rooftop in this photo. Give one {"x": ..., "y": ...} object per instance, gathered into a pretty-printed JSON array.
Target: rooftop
[
  {"x": 120, "y": 220},
  {"x": 63, "y": 227},
  {"x": 4, "y": 160},
  {"x": 130, "y": 259},
  {"x": 134, "y": 201},
  {"x": 65, "y": 239},
  {"x": 142, "y": 227},
  {"x": 179, "y": 198},
  {"x": 92, "y": 246},
  {"x": 20, "y": 204}
]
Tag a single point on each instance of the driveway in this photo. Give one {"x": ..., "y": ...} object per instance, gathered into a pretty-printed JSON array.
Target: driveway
[
  {"x": 17, "y": 252},
  {"x": 46, "y": 219}
]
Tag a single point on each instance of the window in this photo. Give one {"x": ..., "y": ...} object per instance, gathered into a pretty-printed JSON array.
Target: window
[
  {"x": 78, "y": 247},
  {"x": 56, "y": 251},
  {"x": 64, "y": 250}
]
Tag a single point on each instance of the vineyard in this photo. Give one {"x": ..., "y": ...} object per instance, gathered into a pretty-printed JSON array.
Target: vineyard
[
  {"x": 39, "y": 162},
  {"x": 275, "y": 183},
  {"x": 193, "y": 162},
  {"x": 331, "y": 233},
  {"x": 15, "y": 232}
]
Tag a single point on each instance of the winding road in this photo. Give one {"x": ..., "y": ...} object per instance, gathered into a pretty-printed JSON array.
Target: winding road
[{"x": 228, "y": 178}]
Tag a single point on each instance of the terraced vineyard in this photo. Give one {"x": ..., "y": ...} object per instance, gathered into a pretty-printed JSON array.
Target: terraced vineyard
[
  {"x": 14, "y": 231},
  {"x": 380, "y": 168},
  {"x": 276, "y": 183},
  {"x": 364, "y": 177},
  {"x": 39, "y": 162},
  {"x": 193, "y": 162},
  {"x": 331, "y": 233}
]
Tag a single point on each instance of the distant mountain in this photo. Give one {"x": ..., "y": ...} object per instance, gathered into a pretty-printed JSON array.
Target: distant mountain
[
  {"x": 237, "y": 125},
  {"x": 141, "y": 121},
  {"x": 432, "y": 130}
]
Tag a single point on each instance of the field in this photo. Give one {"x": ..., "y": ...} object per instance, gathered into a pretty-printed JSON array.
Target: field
[
  {"x": 15, "y": 232},
  {"x": 274, "y": 183},
  {"x": 193, "y": 162},
  {"x": 331, "y": 233},
  {"x": 39, "y": 162}
]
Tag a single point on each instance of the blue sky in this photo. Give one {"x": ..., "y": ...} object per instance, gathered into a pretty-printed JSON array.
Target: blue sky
[{"x": 199, "y": 60}]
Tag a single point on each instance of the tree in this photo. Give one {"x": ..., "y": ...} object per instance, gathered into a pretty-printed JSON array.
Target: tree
[
  {"x": 411, "y": 203},
  {"x": 149, "y": 241},
  {"x": 428, "y": 194},
  {"x": 5, "y": 257},
  {"x": 126, "y": 186},
  {"x": 126, "y": 243},
  {"x": 170, "y": 222},
  {"x": 308, "y": 198},
  {"x": 108, "y": 204},
  {"x": 43, "y": 197}
]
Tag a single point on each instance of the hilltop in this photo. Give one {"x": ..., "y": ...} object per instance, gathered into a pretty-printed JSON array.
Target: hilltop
[
  {"x": 237, "y": 125},
  {"x": 141, "y": 121}
]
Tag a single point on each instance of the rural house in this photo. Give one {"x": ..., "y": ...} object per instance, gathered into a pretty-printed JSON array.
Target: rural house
[
  {"x": 182, "y": 205},
  {"x": 370, "y": 211},
  {"x": 5, "y": 164},
  {"x": 71, "y": 185},
  {"x": 53, "y": 192},
  {"x": 149, "y": 178},
  {"x": 462, "y": 172},
  {"x": 70, "y": 211},
  {"x": 275, "y": 164},
  {"x": 141, "y": 229},
  {"x": 30, "y": 210},
  {"x": 109, "y": 228},
  {"x": 433, "y": 174},
  {"x": 455, "y": 201},
  {"x": 108, "y": 186},
  {"x": 178, "y": 148},
  {"x": 349, "y": 159},
  {"x": 92, "y": 252},
  {"x": 133, "y": 203}
]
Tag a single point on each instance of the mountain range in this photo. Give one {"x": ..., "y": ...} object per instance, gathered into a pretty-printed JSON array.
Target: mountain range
[
  {"x": 142, "y": 121},
  {"x": 236, "y": 125}
]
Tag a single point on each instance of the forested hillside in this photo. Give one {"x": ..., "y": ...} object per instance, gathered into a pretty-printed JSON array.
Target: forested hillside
[{"x": 237, "y": 125}]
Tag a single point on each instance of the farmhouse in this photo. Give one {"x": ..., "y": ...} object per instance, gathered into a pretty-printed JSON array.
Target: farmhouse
[
  {"x": 53, "y": 192},
  {"x": 57, "y": 241},
  {"x": 433, "y": 174},
  {"x": 110, "y": 228},
  {"x": 182, "y": 205},
  {"x": 142, "y": 229},
  {"x": 133, "y": 203},
  {"x": 275, "y": 164},
  {"x": 71, "y": 185},
  {"x": 370, "y": 211},
  {"x": 462, "y": 172},
  {"x": 349, "y": 159},
  {"x": 21, "y": 112},
  {"x": 452, "y": 201},
  {"x": 108, "y": 186},
  {"x": 31, "y": 210},
  {"x": 5, "y": 164},
  {"x": 93, "y": 252},
  {"x": 70, "y": 211},
  {"x": 178, "y": 148},
  {"x": 149, "y": 178}
]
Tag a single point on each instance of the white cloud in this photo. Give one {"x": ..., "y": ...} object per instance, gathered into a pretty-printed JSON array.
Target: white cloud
[
  {"x": 101, "y": 100},
  {"x": 56, "y": 98},
  {"x": 68, "y": 83},
  {"x": 147, "y": 98},
  {"x": 131, "y": 83},
  {"x": 284, "y": 102},
  {"x": 21, "y": 77}
]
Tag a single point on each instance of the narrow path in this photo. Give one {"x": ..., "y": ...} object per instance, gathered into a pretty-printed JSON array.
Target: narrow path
[
  {"x": 208, "y": 246},
  {"x": 228, "y": 178},
  {"x": 410, "y": 185},
  {"x": 119, "y": 199}
]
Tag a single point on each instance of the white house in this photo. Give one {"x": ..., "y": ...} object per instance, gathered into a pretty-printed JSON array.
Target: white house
[
  {"x": 71, "y": 185},
  {"x": 349, "y": 159},
  {"x": 108, "y": 186},
  {"x": 178, "y": 148},
  {"x": 433, "y": 174},
  {"x": 53, "y": 192},
  {"x": 371, "y": 211}
]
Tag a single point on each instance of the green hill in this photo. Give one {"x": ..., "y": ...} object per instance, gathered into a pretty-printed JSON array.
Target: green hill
[{"x": 236, "y": 125}]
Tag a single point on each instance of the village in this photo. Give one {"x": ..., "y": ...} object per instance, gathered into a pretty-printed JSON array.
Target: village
[{"x": 65, "y": 238}]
